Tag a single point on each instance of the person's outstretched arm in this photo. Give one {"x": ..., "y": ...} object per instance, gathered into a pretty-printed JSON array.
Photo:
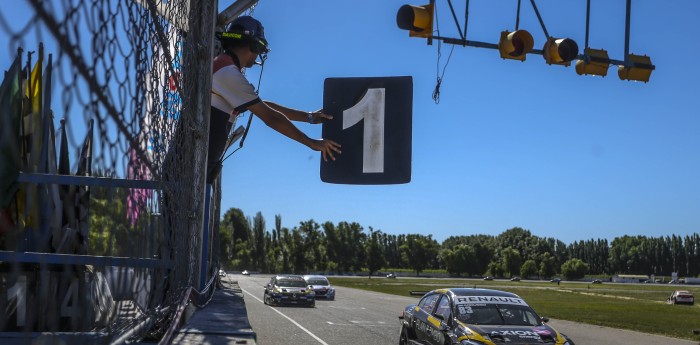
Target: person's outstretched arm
[
  {"x": 297, "y": 115},
  {"x": 281, "y": 123}
]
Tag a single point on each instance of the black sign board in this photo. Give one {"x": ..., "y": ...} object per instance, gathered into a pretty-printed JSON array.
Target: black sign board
[{"x": 372, "y": 120}]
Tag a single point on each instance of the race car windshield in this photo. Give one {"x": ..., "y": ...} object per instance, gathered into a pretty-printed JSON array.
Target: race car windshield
[
  {"x": 318, "y": 281},
  {"x": 497, "y": 314},
  {"x": 291, "y": 283}
]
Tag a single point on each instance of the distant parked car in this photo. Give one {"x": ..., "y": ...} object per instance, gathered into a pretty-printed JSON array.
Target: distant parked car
[
  {"x": 597, "y": 281},
  {"x": 321, "y": 286},
  {"x": 681, "y": 297},
  {"x": 515, "y": 279},
  {"x": 391, "y": 275},
  {"x": 245, "y": 273},
  {"x": 555, "y": 280},
  {"x": 222, "y": 273},
  {"x": 488, "y": 278}
]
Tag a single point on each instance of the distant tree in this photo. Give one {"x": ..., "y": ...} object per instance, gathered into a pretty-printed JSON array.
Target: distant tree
[
  {"x": 521, "y": 240},
  {"x": 375, "y": 253},
  {"x": 392, "y": 253},
  {"x": 574, "y": 269},
  {"x": 298, "y": 257},
  {"x": 495, "y": 269},
  {"x": 226, "y": 245},
  {"x": 464, "y": 260},
  {"x": 285, "y": 248},
  {"x": 313, "y": 245},
  {"x": 528, "y": 269},
  {"x": 419, "y": 251},
  {"x": 354, "y": 254},
  {"x": 243, "y": 258},
  {"x": 548, "y": 266},
  {"x": 483, "y": 247},
  {"x": 511, "y": 261},
  {"x": 483, "y": 254},
  {"x": 334, "y": 247},
  {"x": 259, "y": 249},
  {"x": 237, "y": 222}
]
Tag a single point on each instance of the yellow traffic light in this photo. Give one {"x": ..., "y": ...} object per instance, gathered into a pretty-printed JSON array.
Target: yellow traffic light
[
  {"x": 596, "y": 62},
  {"x": 515, "y": 45},
  {"x": 560, "y": 51},
  {"x": 417, "y": 19},
  {"x": 639, "y": 71}
]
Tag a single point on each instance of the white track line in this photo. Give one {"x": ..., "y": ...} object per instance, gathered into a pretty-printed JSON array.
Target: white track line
[{"x": 288, "y": 318}]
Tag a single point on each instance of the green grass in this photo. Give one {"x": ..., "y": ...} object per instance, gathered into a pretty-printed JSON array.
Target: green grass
[{"x": 634, "y": 307}]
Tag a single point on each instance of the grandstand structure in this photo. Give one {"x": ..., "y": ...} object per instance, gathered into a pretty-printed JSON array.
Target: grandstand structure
[{"x": 106, "y": 220}]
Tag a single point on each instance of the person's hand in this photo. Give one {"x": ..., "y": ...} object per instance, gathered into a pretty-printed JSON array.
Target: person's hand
[
  {"x": 327, "y": 148},
  {"x": 319, "y": 116}
]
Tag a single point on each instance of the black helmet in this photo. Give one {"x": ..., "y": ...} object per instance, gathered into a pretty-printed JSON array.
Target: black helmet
[{"x": 245, "y": 29}]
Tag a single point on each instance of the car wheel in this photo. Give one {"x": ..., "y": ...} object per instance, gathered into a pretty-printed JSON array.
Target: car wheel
[{"x": 403, "y": 337}]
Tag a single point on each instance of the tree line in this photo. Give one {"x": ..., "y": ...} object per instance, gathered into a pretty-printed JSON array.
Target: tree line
[{"x": 346, "y": 247}]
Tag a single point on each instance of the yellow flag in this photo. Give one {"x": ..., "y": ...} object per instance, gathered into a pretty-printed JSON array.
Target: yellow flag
[{"x": 28, "y": 201}]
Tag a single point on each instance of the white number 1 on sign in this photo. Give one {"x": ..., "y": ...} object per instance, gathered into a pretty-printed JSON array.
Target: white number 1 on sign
[{"x": 371, "y": 109}]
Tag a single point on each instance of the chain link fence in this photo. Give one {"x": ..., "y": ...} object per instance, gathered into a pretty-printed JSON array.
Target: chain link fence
[{"x": 104, "y": 126}]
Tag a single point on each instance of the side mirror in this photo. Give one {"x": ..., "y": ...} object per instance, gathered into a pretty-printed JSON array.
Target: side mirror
[{"x": 545, "y": 319}]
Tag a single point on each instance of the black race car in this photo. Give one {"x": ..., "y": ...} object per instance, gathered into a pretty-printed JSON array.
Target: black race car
[
  {"x": 475, "y": 317},
  {"x": 290, "y": 290}
]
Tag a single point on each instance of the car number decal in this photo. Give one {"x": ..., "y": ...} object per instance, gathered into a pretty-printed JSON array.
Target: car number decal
[{"x": 464, "y": 309}]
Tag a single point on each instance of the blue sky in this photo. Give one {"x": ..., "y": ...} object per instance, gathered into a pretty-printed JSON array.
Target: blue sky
[{"x": 509, "y": 144}]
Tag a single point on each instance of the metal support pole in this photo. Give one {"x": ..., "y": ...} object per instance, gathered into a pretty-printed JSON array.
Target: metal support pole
[
  {"x": 537, "y": 12},
  {"x": 588, "y": 21},
  {"x": 430, "y": 39},
  {"x": 200, "y": 43},
  {"x": 466, "y": 20},
  {"x": 204, "y": 261},
  {"x": 517, "y": 17},
  {"x": 627, "y": 31},
  {"x": 454, "y": 16}
]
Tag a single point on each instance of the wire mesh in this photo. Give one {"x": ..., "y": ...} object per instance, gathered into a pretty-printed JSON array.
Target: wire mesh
[{"x": 130, "y": 83}]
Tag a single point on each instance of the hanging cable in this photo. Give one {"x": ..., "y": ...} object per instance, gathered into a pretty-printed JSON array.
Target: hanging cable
[
  {"x": 439, "y": 76},
  {"x": 263, "y": 58}
]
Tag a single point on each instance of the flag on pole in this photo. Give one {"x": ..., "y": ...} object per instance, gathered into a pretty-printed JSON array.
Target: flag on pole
[
  {"x": 47, "y": 193},
  {"x": 83, "y": 192},
  {"x": 10, "y": 162},
  {"x": 63, "y": 241},
  {"x": 29, "y": 202}
]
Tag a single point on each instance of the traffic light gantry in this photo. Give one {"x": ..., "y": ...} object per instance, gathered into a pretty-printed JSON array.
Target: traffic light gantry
[{"x": 515, "y": 45}]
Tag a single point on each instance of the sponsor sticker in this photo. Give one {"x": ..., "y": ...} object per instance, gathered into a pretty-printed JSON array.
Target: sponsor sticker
[
  {"x": 483, "y": 300},
  {"x": 542, "y": 331},
  {"x": 519, "y": 334}
]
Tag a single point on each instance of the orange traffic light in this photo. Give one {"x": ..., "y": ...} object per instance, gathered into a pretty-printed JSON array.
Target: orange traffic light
[
  {"x": 595, "y": 62},
  {"x": 515, "y": 45},
  {"x": 560, "y": 51},
  {"x": 640, "y": 69},
  {"x": 417, "y": 19}
]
